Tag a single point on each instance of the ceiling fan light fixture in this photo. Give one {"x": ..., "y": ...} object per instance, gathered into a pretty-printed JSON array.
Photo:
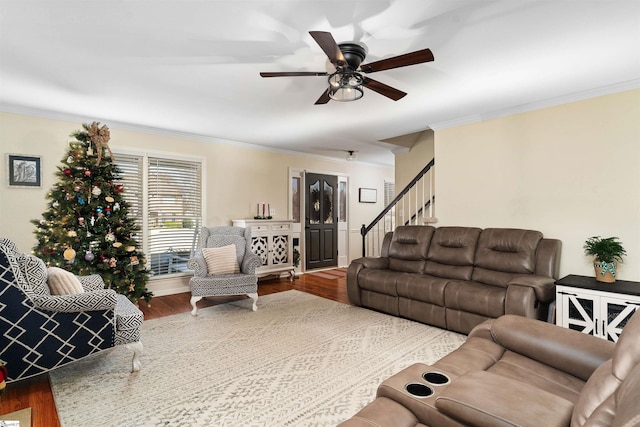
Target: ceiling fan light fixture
[
  {"x": 346, "y": 94},
  {"x": 345, "y": 86}
]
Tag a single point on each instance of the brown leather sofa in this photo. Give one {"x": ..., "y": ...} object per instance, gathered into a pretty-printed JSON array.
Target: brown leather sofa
[
  {"x": 515, "y": 371},
  {"x": 457, "y": 277}
]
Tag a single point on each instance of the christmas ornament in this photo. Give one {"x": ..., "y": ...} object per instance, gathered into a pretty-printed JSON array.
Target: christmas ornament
[
  {"x": 72, "y": 233},
  {"x": 119, "y": 188},
  {"x": 69, "y": 254},
  {"x": 134, "y": 260},
  {"x": 76, "y": 188},
  {"x": 87, "y": 172},
  {"x": 81, "y": 200},
  {"x": 117, "y": 244},
  {"x": 113, "y": 262},
  {"x": 116, "y": 206},
  {"x": 108, "y": 210},
  {"x": 109, "y": 199},
  {"x": 93, "y": 220},
  {"x": 110, "y": 237},
  {"x": 55, "y": 204},
  {"x": 81, "y": 222},
  {"x": 98, "y": 209},
  {"x": 48, "y": 251},
  {"x": 88, "y": 255},
  {"x": 67, "y": 172},
  {"x": 130, "y": 248},
  {"x": 70, "y": 159},
  {"x": 96, "y": 191}
]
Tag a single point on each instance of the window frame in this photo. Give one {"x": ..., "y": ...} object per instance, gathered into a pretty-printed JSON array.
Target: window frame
[{"x": 146, "y": 156}]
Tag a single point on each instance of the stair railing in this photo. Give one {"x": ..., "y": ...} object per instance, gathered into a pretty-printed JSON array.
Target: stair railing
[{"x": 412, "y": 206}]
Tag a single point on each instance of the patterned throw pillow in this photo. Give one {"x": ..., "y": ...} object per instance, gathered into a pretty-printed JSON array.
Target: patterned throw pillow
[
  {"x": 62, "y": 282},
  {"x": 35, "y": 273},
  {"x": 221, "y": 260}
]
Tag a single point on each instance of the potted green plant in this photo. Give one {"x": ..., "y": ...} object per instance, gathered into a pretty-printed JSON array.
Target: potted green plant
[{"x": 607, "y": 251}]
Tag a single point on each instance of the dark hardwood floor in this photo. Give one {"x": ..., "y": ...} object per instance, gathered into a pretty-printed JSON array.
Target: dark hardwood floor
[{"x": 35, "y": 393}]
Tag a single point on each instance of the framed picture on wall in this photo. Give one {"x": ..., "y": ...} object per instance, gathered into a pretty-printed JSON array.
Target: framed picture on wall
[
  {"x": 24, "y": 171},
  {"x": 368, "y": 195}
]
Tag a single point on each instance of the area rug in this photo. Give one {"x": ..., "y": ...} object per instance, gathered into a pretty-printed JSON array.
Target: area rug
[{"x": 300, "y": 360}]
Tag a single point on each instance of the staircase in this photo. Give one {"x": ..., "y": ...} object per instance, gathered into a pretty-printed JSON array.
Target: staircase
[{"x": 412, "y": 206}]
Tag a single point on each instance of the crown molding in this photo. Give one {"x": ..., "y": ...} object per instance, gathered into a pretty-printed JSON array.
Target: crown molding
[
  {"x": 551, "y": 102},
  {"x": 115, "y": 124}
]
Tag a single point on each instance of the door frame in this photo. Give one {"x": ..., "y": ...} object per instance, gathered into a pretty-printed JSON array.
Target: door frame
[{"x": 298, "y": 228}]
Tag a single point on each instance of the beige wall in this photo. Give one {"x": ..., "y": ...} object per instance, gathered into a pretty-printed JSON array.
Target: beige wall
[
  {"x": 571, "y": 171},
  {"x": 414, "y": 160},
  {"x": 237, "y": 176}
]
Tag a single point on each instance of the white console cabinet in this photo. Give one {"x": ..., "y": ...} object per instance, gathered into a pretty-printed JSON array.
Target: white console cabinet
[
  {"x": 600, "y": 309},
  {"x": 271, "y": 240}
]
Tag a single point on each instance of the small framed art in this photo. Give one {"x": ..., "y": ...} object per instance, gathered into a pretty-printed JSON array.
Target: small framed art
[
  {"x": 368, "y": 195},
  {"x": 24, "y": 171}
]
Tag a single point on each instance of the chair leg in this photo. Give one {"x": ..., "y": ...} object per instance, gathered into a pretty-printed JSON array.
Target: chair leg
[
  {"x": 254, "y": 297},
  {"x": 194, "y": 300},
  {"x": 137, "y": 351}
]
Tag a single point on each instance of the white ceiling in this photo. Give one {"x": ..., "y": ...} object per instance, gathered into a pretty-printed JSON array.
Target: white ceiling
[{"x": 192, "y": 66}]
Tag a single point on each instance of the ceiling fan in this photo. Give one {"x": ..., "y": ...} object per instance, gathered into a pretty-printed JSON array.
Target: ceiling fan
[{"x": 345, "y": 84}]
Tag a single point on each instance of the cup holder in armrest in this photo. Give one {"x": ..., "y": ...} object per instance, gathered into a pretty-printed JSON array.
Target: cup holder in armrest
[
  {"x": 435, "y": 378},
  {"x": 419, "y": 390}
]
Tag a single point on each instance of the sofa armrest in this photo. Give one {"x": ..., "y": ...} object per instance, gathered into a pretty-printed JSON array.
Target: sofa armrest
[
  {"x": 379, "y": 263},
  {"x": 567, "y": 350},
  {"x": 250, "y": 262},
  {"x": 198, "y": 265},
  {"x": 357, "y": 265},
  {"x": 482, "y": 398},
  {"x": 543, "y": 286},
  {"x": 104, "y": 299}
]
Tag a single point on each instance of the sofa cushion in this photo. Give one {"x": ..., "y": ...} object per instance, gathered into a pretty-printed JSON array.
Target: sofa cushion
[
  {"x": 219, "y": 240},
  {"x": 408, "y": 248},
  {"x": 221, "y": 260},
  {"x": 508, "y": 249},
  {"x": 475, "y": 298},
  {"x": 421, "y": 287},
  {"x": 452, "y": 251},
  {"x": 483, "y": 399},
  {"x": 63, "y": 282},
  {"x": 379, "y": 281}
]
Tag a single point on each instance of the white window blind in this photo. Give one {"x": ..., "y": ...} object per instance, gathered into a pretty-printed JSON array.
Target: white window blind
[
  {"x": 169, "y": 198},
  {"x": 130, "y": 168},
  {"x": 389, "y": 192}
]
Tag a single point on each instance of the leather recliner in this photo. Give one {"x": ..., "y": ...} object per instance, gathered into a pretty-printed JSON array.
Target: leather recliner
[{"x": 516, "y": 371}]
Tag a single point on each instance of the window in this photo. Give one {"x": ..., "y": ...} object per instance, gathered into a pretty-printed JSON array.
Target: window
[
  {"x": 165, "y": 195},
  {"x": 389, "y": 194}
]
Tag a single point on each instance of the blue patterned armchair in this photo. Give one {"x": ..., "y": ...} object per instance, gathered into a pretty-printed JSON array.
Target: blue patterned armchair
[
  {"x": 245, "y": 282},
  {"x": 41, "y": 332}
]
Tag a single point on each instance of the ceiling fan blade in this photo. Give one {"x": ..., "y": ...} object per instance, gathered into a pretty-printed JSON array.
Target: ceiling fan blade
[
  {"x": 417, "y": 57},
  {"x": 294, "y": 73},
  {"x": 330, "y": 47},
  {"x": 383, "y": 89},
  {"x": 324, "y": 98}
]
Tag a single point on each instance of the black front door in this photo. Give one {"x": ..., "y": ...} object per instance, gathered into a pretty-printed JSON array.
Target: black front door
[{"x": 321, "y": 221}]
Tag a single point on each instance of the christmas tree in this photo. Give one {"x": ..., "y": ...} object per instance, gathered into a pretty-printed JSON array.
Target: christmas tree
[{"x": 86, "y": 228}]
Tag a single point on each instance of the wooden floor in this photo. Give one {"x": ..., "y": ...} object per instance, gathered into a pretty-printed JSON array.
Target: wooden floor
[{"x": 35, "y": 393}]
